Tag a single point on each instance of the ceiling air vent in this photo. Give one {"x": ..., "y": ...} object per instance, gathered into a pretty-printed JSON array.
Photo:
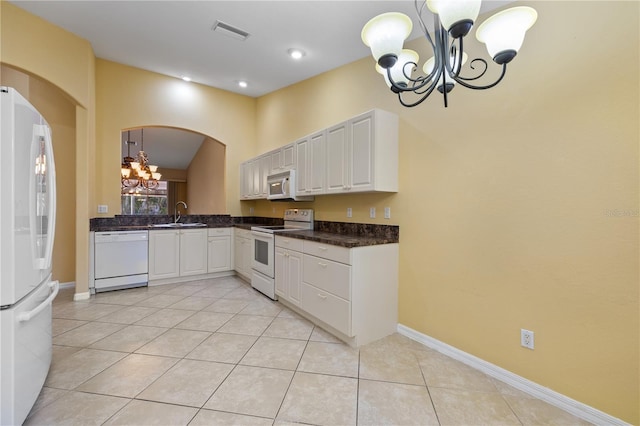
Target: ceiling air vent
[{"x": 230, "y": 30}]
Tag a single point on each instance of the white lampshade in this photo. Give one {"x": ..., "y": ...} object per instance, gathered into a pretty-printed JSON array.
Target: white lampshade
[
  {"x": 153, "y": 168},
  {"x": 126, "y": 172},
  {"x": 505, "y": 30},
  {"x": 135, "y": 165},
  {"x": 156, "y": 175},
  {"x": 386, "y": 33},
  {"x": 452, "y": 11},
  {"x": 399, "y": 69}
]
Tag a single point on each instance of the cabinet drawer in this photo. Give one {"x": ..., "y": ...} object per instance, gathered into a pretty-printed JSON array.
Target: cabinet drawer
[
  {"x": 242, "y": 233},
  {"x": 339, "y": 254},
  {"x": 219, "y": 232},
  {"x": 327, "y": 275},
  {"x": 326, "y": 307},
  {"x": 289, "y": 243}
]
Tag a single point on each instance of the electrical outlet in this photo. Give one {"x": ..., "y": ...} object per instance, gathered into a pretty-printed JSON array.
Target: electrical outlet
[
  {"x": 251, "y": 210},
  {"x": 349, "y": 212},
  {"x": 526, "y": 338},
  {"x": 103, "y": 208},
  {"x": 387, "y": 212},
  {"x": 372, "y": 212}
]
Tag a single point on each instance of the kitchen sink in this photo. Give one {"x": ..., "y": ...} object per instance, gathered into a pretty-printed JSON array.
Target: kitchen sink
[{"x": 179, "y": 225}]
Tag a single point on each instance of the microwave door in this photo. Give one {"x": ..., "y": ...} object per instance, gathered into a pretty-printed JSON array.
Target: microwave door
[{"x": 275, "y": 188}]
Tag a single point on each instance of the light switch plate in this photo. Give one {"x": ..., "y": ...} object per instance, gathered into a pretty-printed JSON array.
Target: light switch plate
[{"x": 103, "y": 208}]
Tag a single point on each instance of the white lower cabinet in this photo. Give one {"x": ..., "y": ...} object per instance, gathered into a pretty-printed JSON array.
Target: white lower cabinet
[
  {"x": 242, "y": 251},
  {"x": 193, "y": 252},
  {"x": 219, "y": 250},
  {"x": 177, "y": 253},
  {"x": 288, "y": 269},
  {"x": 189, "y": 252},
  {"x": 164, "y": 254},
  {"x": 352, "y": 292}
]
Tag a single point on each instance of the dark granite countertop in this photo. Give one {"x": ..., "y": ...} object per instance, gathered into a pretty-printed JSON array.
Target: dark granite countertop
[
  {"x": 342, "y": 240},
  {"x": 341, "y": 234}
]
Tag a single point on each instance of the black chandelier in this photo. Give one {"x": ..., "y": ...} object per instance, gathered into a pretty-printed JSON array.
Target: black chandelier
[{"x": 503, "y": 34}]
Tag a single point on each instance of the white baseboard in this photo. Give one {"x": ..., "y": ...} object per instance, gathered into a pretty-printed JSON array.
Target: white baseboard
[
  {"x": 547, "y": 395},
  {"x": 68, "y": 285},
  {"x": 81, "y": 296}
]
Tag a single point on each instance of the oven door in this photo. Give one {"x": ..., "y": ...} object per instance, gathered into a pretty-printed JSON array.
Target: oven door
[{"x": 263, "y": 256}]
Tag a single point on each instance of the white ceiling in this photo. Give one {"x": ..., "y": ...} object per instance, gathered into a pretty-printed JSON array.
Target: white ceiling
[
  {"x": 165, "y": 146},
  {"x": 174, "y": 38}
]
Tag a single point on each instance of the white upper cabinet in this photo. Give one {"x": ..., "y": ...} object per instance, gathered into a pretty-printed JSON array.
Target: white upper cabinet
[
  {"x": 283, "y": 159},
  {"x": 310, "y": 160},
  {"x": 357, "y": 155},
  {"x": 253, "y": 177},
  {"x": 337, "y": 158},
  {"x": 362, "y": 154}
]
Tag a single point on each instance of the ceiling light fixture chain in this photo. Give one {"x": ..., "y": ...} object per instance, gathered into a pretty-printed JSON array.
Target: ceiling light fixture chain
[{"x": 503, "y": 34}]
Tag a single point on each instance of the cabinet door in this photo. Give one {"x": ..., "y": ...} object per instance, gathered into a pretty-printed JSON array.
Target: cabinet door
[
  {"x": 275, "y": 161},
  {"x": 316, "y": 163},
  {"x": 302, "y": 153},
  {"x": 164, "y": 254},
  {"x": 239, "y": 260},
  {"x": 361, "y": 164},
  {"x": 219, "y": 254},
  {"x": 280, "y": 265},
  {"x": 337, "y": 158},
  {"x": 289, "y": 157},
  {"x": 193, "y": 252},
  {"x": 246, "y": 180},
  {"x": 294, "y": 276},
  {"x": 264, "y": 171}
]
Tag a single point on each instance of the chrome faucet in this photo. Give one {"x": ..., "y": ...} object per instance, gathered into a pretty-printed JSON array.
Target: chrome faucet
[{"x": 176, "y": 213}]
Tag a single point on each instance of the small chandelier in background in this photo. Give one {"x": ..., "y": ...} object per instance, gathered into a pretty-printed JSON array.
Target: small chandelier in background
[
  {"x": 503, "y": 34},
  {"x": 137, "y": 172}
]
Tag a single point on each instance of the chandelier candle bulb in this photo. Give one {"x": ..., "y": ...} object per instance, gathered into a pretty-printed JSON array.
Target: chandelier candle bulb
[{"x": 502, "y": 33}]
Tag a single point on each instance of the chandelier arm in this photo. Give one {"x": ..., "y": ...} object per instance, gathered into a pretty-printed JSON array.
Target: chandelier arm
[
  {"x": 423, "y": 26},
  {"x": 419, "y": 101},
  {"x": 456, "y": 54},
  {"x": 488, "y": 86},
  {"x": 416, "y": 84}
]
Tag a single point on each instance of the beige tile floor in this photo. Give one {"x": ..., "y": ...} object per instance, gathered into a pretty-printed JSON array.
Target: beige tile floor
[{"x": 216, "y": 352}]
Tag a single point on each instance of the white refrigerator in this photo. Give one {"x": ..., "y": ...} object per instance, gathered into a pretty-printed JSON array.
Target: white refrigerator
[{"x": 27, "y": 225}]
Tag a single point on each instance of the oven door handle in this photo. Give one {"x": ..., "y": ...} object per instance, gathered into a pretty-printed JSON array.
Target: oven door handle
[{"x": 262, "y": 235}]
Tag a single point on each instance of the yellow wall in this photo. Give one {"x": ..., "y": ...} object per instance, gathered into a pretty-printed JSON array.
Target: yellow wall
[
  {"x": 157, "y": 100},
  {"x": 59, "y": 69},
  {"x": 205, "y": 179},
  {"x": 505, "y": 200}
]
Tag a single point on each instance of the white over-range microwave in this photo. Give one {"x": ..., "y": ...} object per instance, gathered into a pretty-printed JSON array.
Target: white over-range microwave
[{"x": 282, "y": 187}]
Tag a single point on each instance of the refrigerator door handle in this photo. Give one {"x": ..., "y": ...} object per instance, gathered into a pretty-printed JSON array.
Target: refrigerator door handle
[
  {"x": 26, "y": 316},
  {"x": 51, "y": 192}
]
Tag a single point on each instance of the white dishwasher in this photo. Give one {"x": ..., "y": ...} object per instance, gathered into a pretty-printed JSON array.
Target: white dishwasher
[{"x": 121, "y": 260}]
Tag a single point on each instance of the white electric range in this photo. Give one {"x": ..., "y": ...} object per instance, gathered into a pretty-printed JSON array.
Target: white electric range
[{"x": 263, "y": 241}]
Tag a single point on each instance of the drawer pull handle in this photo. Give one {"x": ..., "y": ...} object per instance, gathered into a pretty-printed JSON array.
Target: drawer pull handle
[
  {"x": 322, "y": 248},
  {"x": 322, "y": 296},
  {"x": 324, "y": 265},
  {"x": 285, "y": 241}
]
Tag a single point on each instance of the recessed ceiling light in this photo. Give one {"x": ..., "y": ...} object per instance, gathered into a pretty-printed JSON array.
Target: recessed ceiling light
[
  {"x": 186, "y": 78},
  {"x": 242, "y": 84},
  {"x": 296, "y": 53}
]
